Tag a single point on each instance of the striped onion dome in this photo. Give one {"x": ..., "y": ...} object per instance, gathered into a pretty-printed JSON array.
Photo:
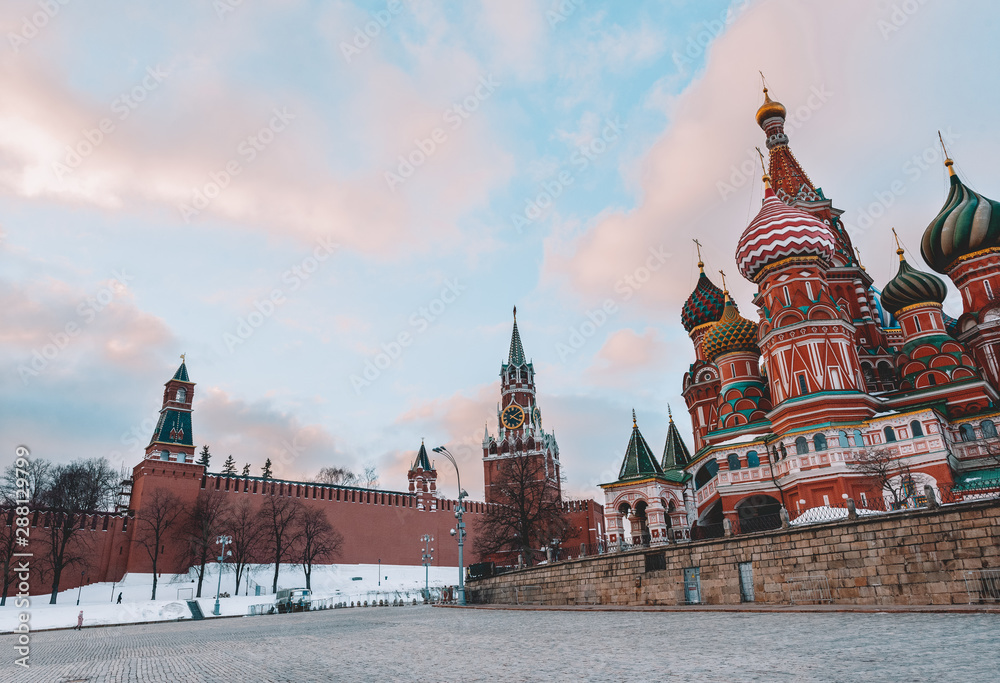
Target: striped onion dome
[
  {"x": 778, "y": 232},
  {"x": 969, "y": 222},
  {"x": 733, "y": 332},
  {"x": 704, "y": 305},
  {"x": 911, "y": 286}
]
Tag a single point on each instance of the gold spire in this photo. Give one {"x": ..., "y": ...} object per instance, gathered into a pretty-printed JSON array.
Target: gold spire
[
  {"x": 949, "y": 164},
  {"x": 670, "y": 414},
  {"x": 725, "y": 291},
  {"x": 701, "y": 264},
  {"x": 182, "y": 358},
  {"x": 766, "y": 178},
  {"x": 899, "y": 248},
  {"x": 634, "y": 423},
  {"x": 770, "y": 108},
  {"x": 858, "y": 252}
]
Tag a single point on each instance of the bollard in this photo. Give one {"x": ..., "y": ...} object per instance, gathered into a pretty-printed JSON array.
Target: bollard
[
  {"x": 727, "y": 527},
  {"x": 852, "y": 511},
  {"x": 548, "y": 553},
  {"x": 783, "y": 514},
  {"x": 931, "y": 497},
  {"x": 583, "y": 550}
]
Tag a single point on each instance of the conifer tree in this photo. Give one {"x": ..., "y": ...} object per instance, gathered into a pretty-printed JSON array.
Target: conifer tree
[
  {"x": 266, "y": 470},
  {"x": 230, "y": 466},
  {"x": 204, "y": 456},
  {"x": 246, "y": 470}
]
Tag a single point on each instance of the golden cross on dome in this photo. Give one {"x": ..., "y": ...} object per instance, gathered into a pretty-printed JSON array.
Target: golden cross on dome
[
  {"x": 899, "y": 247},
  {"x": 947, "y": 159},
  {"x": 670, "y": 414},
  {"x": 701, "y": 264},
  {"x": 634, "y": 423},
  {"x": 724, "y": 290},
  {"x": 858, "y": 252},
  {"x": 763, "y": 166},
  {"x": 182, "y": 358}
]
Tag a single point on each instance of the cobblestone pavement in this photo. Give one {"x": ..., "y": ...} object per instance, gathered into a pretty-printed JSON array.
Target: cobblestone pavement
[{"x": 424, "y": 643}]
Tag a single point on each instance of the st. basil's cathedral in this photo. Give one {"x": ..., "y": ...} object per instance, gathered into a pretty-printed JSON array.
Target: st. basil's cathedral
[{"x": 833, "y": 369}]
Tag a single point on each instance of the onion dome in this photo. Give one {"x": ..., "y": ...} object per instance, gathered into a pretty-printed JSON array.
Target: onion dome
[
  {"x": 778, "y": 232},
  {"x": 769, "y": 109},
  {"x": 705, "y": 304},
  {"x": 733, "y": 332},
  {"x": 969, "y": 222},
  {"x": 910, "y": 287},
  {"x": 950, "y": 325}
]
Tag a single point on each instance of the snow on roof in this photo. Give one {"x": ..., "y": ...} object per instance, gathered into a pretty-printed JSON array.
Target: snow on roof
[
  {"x": 886, "y": 413},
  {"x": 742, "y": 438}
]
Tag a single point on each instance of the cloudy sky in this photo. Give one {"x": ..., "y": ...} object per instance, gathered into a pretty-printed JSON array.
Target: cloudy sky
[{"x": 331, "y": 207}]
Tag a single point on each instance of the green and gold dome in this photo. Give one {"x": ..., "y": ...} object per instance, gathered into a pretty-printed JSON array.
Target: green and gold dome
[
  {"x": 911, "y": 287},
  {"x": 968, "y": 223},
  {"x": 733, "y": 332},
  {"x": 705, "y": 304}
]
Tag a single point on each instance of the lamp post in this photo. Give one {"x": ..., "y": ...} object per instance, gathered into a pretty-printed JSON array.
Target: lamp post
[
  {"x": 80, "y": 590},
  {"x": 222, "y": 556},
  {"x": 380, "y": 572},
  {"x": 459, "y": 511},
  {"x": 426, "y": 559}
]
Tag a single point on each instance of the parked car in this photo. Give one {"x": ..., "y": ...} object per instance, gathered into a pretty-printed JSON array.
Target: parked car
[{"x": 293, "y": 600}]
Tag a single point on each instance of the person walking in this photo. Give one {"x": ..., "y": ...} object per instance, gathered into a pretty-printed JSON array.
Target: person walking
[
  {"x": 119, "y": 598},
  {"x": 79, "y": 621}
]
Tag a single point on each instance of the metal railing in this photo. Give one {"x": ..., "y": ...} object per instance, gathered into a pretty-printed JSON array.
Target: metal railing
[{"x": 983, "y": 585}]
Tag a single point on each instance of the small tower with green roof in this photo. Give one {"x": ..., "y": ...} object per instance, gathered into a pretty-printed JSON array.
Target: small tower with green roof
[
  {"x": 172, "y": 439},
  {"x": 423, "y": 480}
]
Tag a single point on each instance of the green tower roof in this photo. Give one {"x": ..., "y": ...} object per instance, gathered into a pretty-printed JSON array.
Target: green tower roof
[
  {"x": 422, "y": 461},
  {"x": 516, "y": 356},
  {"x": 182, "y": 373},
  {"x": 639, "y": 461},
  {"x": 675, "y": 454}
]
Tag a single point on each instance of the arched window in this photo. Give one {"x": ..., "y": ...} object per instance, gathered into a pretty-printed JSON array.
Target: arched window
[
  {"x": 916, "y": 428},
  {"x": 164, "y": 455},
  {"x": 989, "y": 429},
  {"x": 784, "y": 451},
  {"x": 801, "y": 446},
  {"x": 885, "y": 374},
  {"x": 753, "y": 460},
  {"x": 181, "y": 395},
  {"x": 967, "y": 432},
  {"x": 868, "y": 372},
  {"x": 705, "y": 474},
  {"x": 819, "y": 442},
  {"x": 890, "y": 435},
  {"x": 844, "y": 441},
  {"x": 859, "y": 440},
  {"x": 734, "y": 461}
]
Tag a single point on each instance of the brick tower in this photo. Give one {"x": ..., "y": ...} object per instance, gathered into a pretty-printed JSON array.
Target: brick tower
[{"x": 173, "y": 440}]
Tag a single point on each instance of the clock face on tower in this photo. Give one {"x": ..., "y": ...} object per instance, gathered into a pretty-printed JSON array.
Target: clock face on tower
[{"x": 512, "y": 416}]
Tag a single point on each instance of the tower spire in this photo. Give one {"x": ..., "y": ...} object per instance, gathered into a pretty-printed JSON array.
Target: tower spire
[
  {"x": 701, "y": 264},
  {"x": 725, "y": 290},
  {"x": 899, "y": 248},
  {"x": 766, "y": 178},
  {"x": 949, "y": 164},
  {"x": 516, "y": 355}
]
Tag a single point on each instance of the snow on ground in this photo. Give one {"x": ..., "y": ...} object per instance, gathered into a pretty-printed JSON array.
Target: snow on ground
[{"x": 338, "y": 582}]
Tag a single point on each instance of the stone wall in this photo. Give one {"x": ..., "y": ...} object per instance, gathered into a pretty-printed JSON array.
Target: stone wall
[{"x": 908, "y": 558}]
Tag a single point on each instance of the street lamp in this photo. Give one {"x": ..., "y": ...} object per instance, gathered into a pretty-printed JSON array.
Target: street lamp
[
  {"x": 380, "y": 572},
  {"x": 459, "y": 511},
  {"x": 426, "y": 559},
  {"x": 222, "y": 555}
]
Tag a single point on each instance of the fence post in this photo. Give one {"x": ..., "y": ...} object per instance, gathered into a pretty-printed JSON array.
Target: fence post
[
  {"x": 727, "y": 527},
  {"x": 852, "y": 511},
  {"x": 583, "y": 550},
  {"x": 931, "y": 498},
  {"x": 783, "y": 514}
]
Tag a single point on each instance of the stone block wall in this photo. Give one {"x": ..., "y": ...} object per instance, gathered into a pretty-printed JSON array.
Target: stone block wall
[{"x": 909, "y": 558}]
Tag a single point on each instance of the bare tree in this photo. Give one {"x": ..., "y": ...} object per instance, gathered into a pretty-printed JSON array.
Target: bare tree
[
  {"x": 38, "y": 471},
  {"x": 319, "y": 541},
  {"x": 885, "y": 474},
  {"x": 156, "y": 519},
  {"x": 370, "y": 477},
  {"x": 279, "y": 517},
  {"x": 201, "y": 527},
  {"x": 338, "y": 476},
  {"x": 244, "y": 525},
  {"x": 531, "y": 516},
  {"x": 72, "y": 491}
]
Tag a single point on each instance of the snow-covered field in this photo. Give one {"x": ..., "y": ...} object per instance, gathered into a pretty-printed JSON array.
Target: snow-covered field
[{"x": 339, "y": 582}]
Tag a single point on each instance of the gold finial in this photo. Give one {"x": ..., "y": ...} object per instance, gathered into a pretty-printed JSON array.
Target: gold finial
[
  {"x": 763, "y": 83},
  {"x": 701, "y": 264},
  {"x": 515, "y": 313},
  {"x": 670, "y": 414},
  {"x": 899, "y": 248},
  {"x": 725, "y": 291},
  {"x": 634, "y": 423},
  {"x": 766, "y": 178},
  {"x": 947, "y": 159},
  {"x": 182, "y": 358},
  {"x": 858, "y": 252}
]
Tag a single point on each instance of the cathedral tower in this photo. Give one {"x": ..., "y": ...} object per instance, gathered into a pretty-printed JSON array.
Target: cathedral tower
[
  {"x": 173, "y": 440},
  {"x": 701, "y": 382}
]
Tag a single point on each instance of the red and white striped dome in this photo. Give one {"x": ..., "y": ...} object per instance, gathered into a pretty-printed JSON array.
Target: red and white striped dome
[{"x": 779, "y": 231}]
